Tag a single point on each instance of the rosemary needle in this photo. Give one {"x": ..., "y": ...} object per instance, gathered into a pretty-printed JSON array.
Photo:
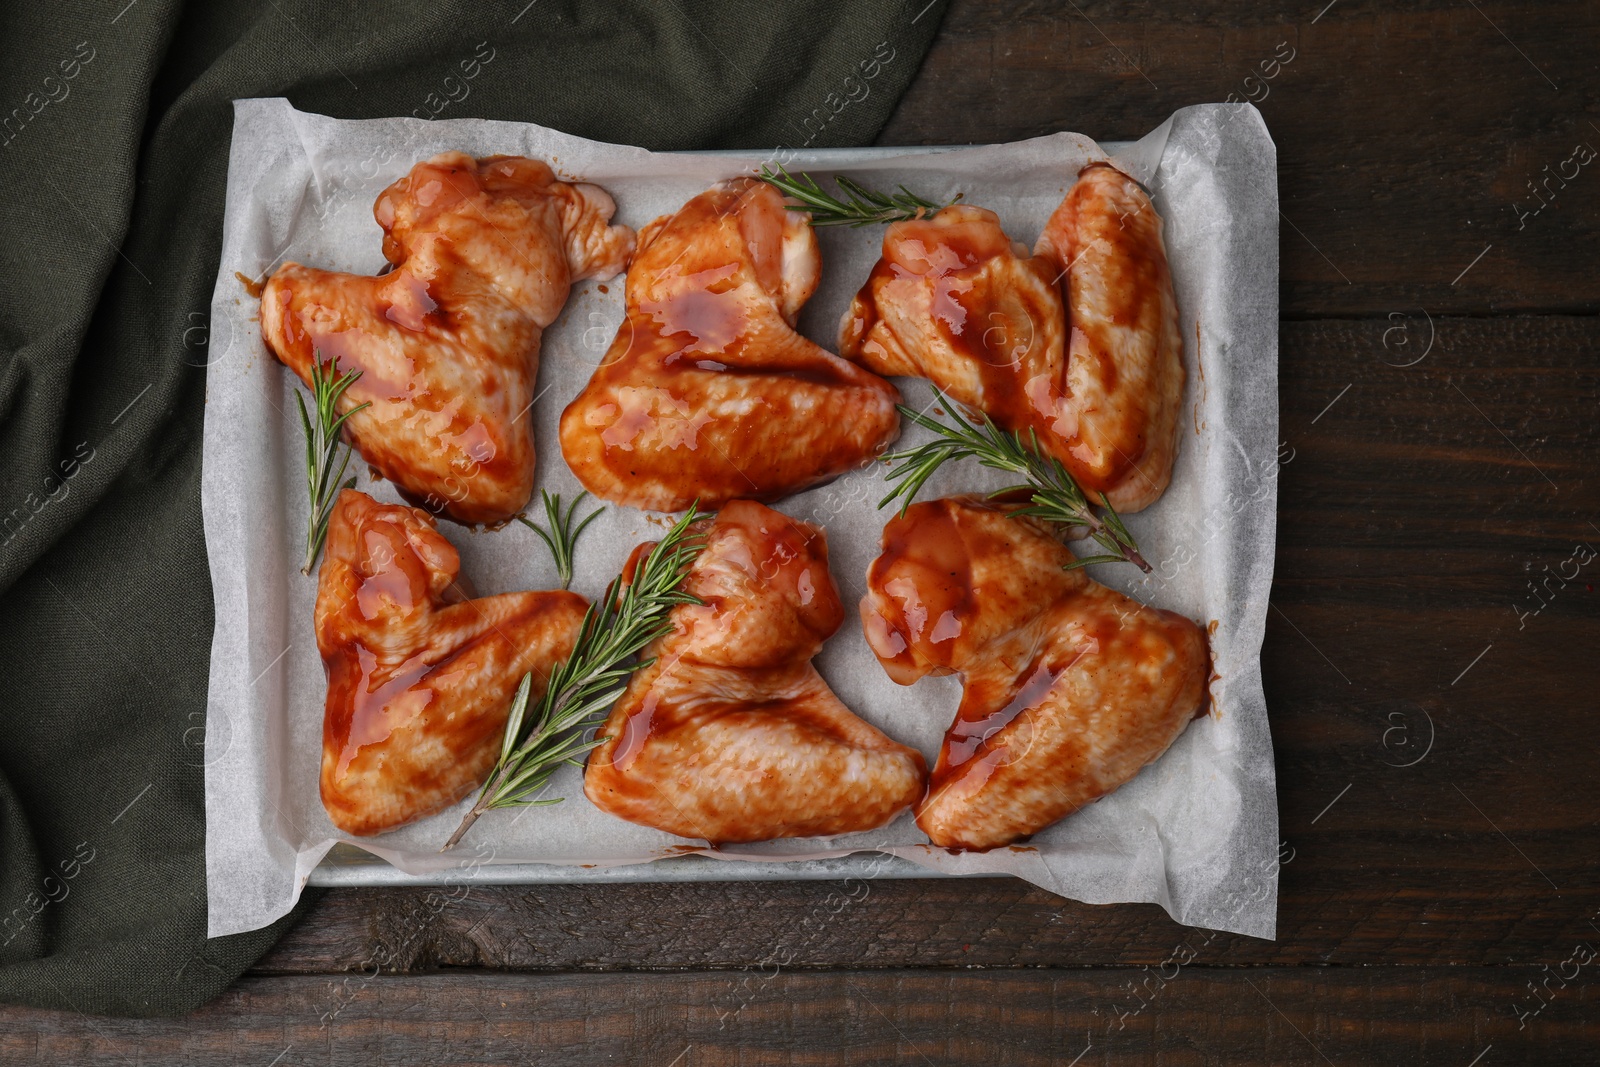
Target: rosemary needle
[
  {"x": 1054, "y": 495},
  {"x": 863, "y": 208},
  {"x": 561, "y": 537},
  {"x": 322, "y": 447},
  {"x": 582, "y": 689}
]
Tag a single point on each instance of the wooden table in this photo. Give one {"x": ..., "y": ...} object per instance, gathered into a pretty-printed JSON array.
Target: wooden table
[{"x": 1434, "y": 724}]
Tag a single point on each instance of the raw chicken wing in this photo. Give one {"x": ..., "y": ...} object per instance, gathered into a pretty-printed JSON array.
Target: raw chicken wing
[
  {"x": 731, "y": 734},
  {"x": 1068, "y": 689},
  {"x": 420, "y": 679},
  {"x": 1078, "y": 343},
  {"x": 955, "y": 300},
  {"x": 484, "y": 253},
  {"x": 707, "y": 392},
  {"x": 1119, "y": 414}
]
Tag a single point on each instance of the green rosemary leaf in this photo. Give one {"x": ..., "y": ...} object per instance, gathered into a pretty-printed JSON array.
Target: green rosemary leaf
[
  {"x": 561, "y": 537},
  {"x": 322, "y": 449},
  {"x": 582, "y": 688},
  {"x": 863, "y": 206},
  {"x": 1055, "y": 495},
  {"x": 1085, "y": 561}
]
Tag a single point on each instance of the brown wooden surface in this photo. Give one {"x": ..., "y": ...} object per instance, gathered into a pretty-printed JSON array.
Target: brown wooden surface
[
  {"x": 1404, "y": 136},
  {"x": 1421, "y": 901},
  {"x": 1194, "y": 1015}
]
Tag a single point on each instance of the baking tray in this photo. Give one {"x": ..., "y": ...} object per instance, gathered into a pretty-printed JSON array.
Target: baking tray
[{"x": 346, "y": 865}]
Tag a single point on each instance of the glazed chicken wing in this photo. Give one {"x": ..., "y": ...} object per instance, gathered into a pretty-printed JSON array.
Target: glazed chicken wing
[
  {"x": 1068, "y": 689},
  {"x": 420, "y": 679},
  {"x": 1125, "y": 360},
  {"x": 484, "y": 253},
  {"x": 1098, "y": 377},
  {"x": 707, "y": 392},
  {"x": 731, "y": 734}
]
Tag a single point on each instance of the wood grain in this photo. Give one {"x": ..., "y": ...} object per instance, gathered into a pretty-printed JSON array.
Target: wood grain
[
  {"x": 1173, "y": 1017},
  {"x": 1489, "y": 916},
  {"x": 1434, "y": 737},
  {"x": 1405, "y": 137}
]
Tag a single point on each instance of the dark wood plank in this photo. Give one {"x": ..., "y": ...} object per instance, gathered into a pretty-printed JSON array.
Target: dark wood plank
[
  {"x": 1189, "y": 1015},
  {"x": 1479, "y": 853},
  {"x": 1328, "y": 915},
  {"x": 1405, "y": 136},
  {"x": 1420, "y": 502},
  {"x": 1413, "y": 516}
]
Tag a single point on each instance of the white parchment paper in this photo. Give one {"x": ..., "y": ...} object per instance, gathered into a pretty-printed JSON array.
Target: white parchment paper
[{"x": 1196, "y": 832}]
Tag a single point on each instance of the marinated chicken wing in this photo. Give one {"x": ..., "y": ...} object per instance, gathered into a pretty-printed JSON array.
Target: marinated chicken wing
[
  {"x": 1125, "y": 359},
  {"x": 731, "y": 734},
  {"x": 1068, "y": 690},
  {"x": 1099, "y": 377},
  {"x": 419, "y": 678},
  {"x": 708, "y": 393},
  {"x": 484, "y": 253}
]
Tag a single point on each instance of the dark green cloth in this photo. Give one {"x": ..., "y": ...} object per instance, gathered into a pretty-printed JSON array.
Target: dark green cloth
[{"x": 114, "y": 155}]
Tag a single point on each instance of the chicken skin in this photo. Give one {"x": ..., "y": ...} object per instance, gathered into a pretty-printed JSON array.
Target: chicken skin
[
  {"x": 420, "y": 679},
  {"x": 731, "y": 734},
  {"x": 1125, "y": 360},
  {"x": 1068, "y": 689},
  {"x": 447, "y": 343},
  {"x": 707, "y": 392},
  {"x": 1078, "y": 343}
]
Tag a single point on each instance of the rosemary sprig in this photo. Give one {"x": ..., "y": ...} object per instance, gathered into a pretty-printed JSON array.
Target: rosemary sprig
[
  {"x": 1055, "y": 495},
  {"x": 583, "y": 688},
  {"x": 322, "y": 447},
  {"x": 864, "y": 207},
  {"x": 561, "y": 537}
]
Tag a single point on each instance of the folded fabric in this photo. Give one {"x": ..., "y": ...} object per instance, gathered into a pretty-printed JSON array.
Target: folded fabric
[{"x": 115, "y": 146}]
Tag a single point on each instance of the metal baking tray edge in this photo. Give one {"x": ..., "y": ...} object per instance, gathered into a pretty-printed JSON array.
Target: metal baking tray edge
[{"x": 347, "y": 865}]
